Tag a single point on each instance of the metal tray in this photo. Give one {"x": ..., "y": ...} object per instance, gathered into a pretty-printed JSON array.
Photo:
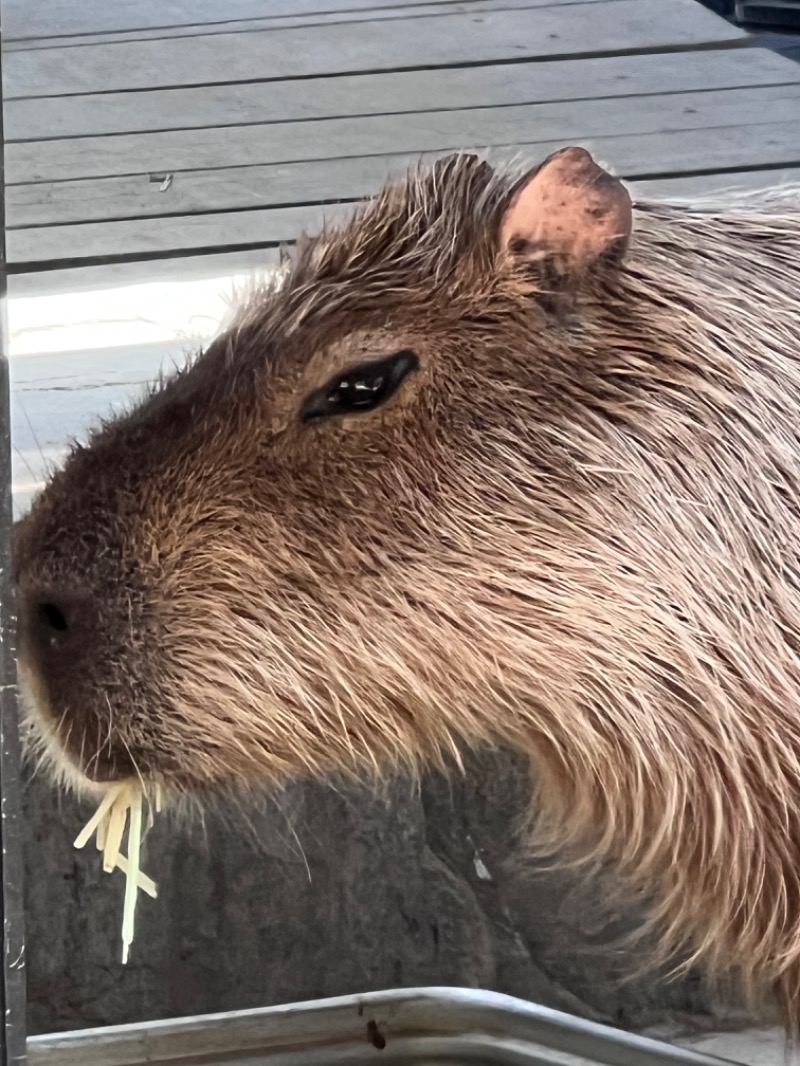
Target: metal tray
[{"x": 409, "y": 1027}]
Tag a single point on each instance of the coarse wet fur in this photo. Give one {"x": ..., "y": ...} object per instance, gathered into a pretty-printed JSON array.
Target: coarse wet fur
[{"x": 571, "y": 526}]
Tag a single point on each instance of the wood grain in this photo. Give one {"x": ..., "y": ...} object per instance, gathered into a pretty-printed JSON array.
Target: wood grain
[
  {"x": 81, "y": 279},
  {"x": 440, "y": 40},
  {"x": 641, "y": 155},
  {"x": 422, "y": 9},
  {"x": 393, "y": 93},
  {"x": 154, "y": 154},
  {"x": 222, "y": 264},
  {"x": 67, "y": 19}
]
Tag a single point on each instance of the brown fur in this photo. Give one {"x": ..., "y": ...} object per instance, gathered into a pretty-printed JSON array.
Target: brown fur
[{"x": 576, "y": 529}]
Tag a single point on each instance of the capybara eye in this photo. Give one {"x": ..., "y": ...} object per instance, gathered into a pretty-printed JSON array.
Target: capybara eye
[{"x": 363, "y": 388}]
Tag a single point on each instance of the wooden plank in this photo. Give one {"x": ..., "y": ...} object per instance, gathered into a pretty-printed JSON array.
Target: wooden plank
[
  {"x": 248, "y": 187},
  {"x": 45, "y": 419},
  {"x": 183, "y": 268},
  {"x": 421, "y": 9},
  {"x": 441, "y": 40},
  {"x": 640, "y": 155},
  {"x": 156, "y": 236},
  {"x": 220, "y": 264},
  {"x": 179, "y": 152},
  {"x": 127, "y": 366},
  {"x": 65, "y": 18},
  {"x": 393, "y": 93},
  {"x": 718, "y": 187}
]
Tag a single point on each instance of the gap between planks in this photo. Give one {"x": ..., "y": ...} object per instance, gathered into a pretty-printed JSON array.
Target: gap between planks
[
  {"x": 357, "y": 96},
  {"x": 54, "y": 279},
  {"x": 64, "y": 19},
  {"x": 641, "y": 156},
  {"x": 459, "y": 7},
  {"x": 441, "y": 40},
  {"x": 291, "y": 153}
]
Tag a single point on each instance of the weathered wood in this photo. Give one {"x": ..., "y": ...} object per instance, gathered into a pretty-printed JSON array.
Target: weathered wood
[
  {"x": 400, "y": 11},
  {"x": 721, "y": 188},
  {"x": 221, "y": 264},
  {"x": 441, "y": 40},
  {"x": 155, "y": 236},
  {"x": 393, "y": 93},
  {"x": 65, "y": 18},
  {"x": 94, "y": 278},
  {"x": 155, "y": 154},
  {"x": 224, "y": 264},
  {"x": 641, "y": 155},
  {"x": 253, "y": 187},
  {"x": 59, "y": 396}
]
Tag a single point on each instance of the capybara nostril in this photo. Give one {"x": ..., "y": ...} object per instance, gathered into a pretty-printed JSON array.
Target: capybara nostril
[
  {"x": 57, "y": 637},
  {"x": 54, "y": 625},
  {"x": 52, "y": 622}
]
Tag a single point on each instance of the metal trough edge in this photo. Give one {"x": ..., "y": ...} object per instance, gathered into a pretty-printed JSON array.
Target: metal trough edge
[{"x": 417, "y": 1027}]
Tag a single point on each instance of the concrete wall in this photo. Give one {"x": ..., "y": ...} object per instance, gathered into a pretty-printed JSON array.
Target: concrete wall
[{"x": 326, "y": 892}]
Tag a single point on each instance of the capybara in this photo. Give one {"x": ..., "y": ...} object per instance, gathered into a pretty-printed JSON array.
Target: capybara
[{"x": 502, "y": 459}]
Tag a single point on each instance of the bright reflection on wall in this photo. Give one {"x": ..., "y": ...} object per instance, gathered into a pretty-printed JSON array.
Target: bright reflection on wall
[{"x": 78, "y": 356}]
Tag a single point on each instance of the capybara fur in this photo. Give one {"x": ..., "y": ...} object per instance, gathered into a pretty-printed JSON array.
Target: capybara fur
[{"x": 502, "y": 459}]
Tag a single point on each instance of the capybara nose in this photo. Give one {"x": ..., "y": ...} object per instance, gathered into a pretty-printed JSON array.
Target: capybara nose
[
  {"x": 68, "y": 680},
  {"x": 57, "y": 635}
]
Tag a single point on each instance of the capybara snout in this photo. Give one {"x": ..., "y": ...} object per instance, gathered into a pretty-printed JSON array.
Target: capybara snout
[{"x": 502, "y": 459}]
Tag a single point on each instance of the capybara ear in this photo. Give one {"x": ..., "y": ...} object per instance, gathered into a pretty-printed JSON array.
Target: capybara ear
[
  {"x": 569, "y": 212},
  {"x": 465, "y": 168},
  {"x": 460, "y": 161}
]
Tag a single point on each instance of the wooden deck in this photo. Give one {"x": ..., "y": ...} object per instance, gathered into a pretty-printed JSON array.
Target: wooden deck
[
  {"x": 166, "y": 140},
  {"x": 153, "y": 130}
]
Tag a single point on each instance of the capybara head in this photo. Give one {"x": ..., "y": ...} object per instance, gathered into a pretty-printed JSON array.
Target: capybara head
[{"x": 500, "y": 459}]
